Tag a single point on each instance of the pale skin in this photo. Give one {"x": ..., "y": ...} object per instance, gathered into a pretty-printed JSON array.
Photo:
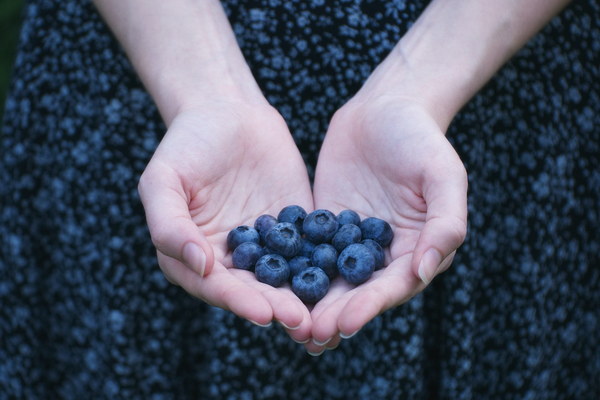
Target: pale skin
[{"x": 385, "y": 152}]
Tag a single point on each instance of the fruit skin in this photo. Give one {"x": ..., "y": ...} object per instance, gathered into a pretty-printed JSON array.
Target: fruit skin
[
  {"x": 298, "y": 264},
  {"x": 377, "y": 252},
  {"x": 293, "y": 214},
  {"x": 356, "y": 263},
  {"x": 311, "y": 285},
  {"x": 307, "y": 248},
  {"x": 272, "y": 269},
  {"x": 246, "y": 255},
  {"x": 348, "y": 217},
  {"x": 378, "y": 230},
  {"x": 283, "y": 238},
  {"x": 345, "y": 236},
  {"x": 240, "y": 235},
  {"x": 325, "y": 257},
  {"x": 320, "y": 226},
  {"x": 263, "y": 224}
]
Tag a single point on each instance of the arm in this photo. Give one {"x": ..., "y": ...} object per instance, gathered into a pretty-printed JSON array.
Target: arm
[
  {"x": 184, "y": 51},
  {"x": 387, "y": 147},
  {"x": 455, "y": 47},
  {"x": 220, "y": 140}
]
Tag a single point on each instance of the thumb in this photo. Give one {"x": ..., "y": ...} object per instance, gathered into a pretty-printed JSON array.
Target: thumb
[
  {"x": 445, "y": 227},
  {"x": 172, "y": 229}
]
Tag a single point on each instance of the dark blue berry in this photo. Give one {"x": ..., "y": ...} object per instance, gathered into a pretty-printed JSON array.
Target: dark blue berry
[
  {"x": 246, "y": 255},
  {"x": 348, "y": 217},
  {"x": 283, "y": 238},
  {"x": 345, "y": 236},
  {"x": 299, "y": 264},
  {"x": 240, "y": 235},
  {"x": 263, "y": 224},
  {"x": 294, "y": 215},
  {"x": 378, "y": 230},
  {"x": 356, "y": 263},
  {"x": 311, "y": 285},
  {"x": 325, "y": 257},
  {"x": 307, "y": 248},
  {"x": 272, "y": 269},
  {"x": 320, "y": 226},
  {"x": 377, "y": 252}
]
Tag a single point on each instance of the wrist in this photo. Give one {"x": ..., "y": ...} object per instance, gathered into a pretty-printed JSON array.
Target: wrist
[
  {"x": 397, "y": 82},
  {"x": 196, "y": 62},
  {"x": 454, "y": 48},
  {"x": 185, "y": 52},
  {"x": 176, "y": 91}
]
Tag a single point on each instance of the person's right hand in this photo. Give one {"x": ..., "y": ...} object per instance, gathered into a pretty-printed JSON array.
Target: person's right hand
[{"x": 220, "y": 166}]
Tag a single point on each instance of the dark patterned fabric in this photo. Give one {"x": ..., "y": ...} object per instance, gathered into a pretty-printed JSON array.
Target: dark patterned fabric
[{"x": 86, "y": 313}]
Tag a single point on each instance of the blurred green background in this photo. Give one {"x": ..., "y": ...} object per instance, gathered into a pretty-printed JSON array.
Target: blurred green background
[{"x": 10, "y": 23}]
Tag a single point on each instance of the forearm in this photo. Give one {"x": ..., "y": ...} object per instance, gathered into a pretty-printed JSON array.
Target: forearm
[
  {"x": 456, "y": 46},
  {"x": 184, "y": 51}
]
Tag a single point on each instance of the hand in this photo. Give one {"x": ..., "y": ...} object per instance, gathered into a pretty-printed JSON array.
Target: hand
[
  {"x": 220, "y": 166},
  {"x": 388, "y": 158}
]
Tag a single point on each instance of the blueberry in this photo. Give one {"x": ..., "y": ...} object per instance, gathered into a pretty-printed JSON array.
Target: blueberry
[
  {"x": 378, "y": 230},
  {"x": 377, "y": 252},
  {"x": 294, "y": 215},
  {"x": 311, "y": 285},
  {"x": 348, "y": 217},
  {"x": 299, "y": 264},
  {"x": 272, "y": 269},
  {"x": 246, "y": 255},
  {"x": 325, "y": 257},
  {"x": 356, "y": 263},
  {"x": 263, "y": 224},
  {"x": 345, "y": 236},
  {"x": 320, "y": 226},
  {"x": 284, "y": 239},
  {"x": 240, "y": 235},
  {"x": 307, "y": 248},
  {"x": 268, "y": 250}
]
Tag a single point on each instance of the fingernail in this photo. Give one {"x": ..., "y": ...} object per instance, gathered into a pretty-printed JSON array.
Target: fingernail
[
  {"x": 333, "y": 347},
  {"x": 316, "y": 354},
  {"x": 291, "y": 328},
  {"x": 343, "y": 336},
  {"x": 194, "y": 258},
  {"x": 261, "y": 325},
  {"x": 321, "y": 343},
  {"x": 301, "y": 341},
  {"x": 429, "y": 265}
]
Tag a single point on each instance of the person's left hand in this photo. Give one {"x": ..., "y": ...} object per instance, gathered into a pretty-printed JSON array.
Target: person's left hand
[{"x": 388, "y": 158}]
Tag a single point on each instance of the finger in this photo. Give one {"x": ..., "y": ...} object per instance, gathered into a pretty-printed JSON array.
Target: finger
[
  {"x": 221, "y": 289},
  {"x": 301, "y": 333},
  {"x": 326, "y": 313},
  {"x": 172, "y": 229},
  {"x": 396, "y": 285},
  {"x": 313, "y": 349},
  {"x": 446, "y": 222},
  {"x": 334, "y": 343},
  {"x": 287, "y": 308}
]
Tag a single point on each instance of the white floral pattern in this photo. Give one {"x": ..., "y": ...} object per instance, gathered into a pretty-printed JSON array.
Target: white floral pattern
[{"x": 86, "y": 311}]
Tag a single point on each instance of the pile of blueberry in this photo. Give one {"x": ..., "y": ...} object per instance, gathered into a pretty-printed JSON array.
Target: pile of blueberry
[{"x": 309, "y": 250}]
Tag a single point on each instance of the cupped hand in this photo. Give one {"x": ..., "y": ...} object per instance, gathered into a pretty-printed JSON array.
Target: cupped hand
[
  {"x": 388, "y": 158},
  {"x": 219, "y": 166}
]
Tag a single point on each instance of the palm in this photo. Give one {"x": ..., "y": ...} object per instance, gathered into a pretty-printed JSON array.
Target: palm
[
  {"x": 390, "y": 162},
  {"x": 222, "y": 169}
]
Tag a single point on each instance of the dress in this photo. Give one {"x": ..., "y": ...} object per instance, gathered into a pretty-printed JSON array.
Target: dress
[{"x": 86, "y": 313}]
